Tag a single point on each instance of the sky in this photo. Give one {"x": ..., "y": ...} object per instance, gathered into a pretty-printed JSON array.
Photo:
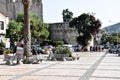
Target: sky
[{"x": 108, "y": 11}]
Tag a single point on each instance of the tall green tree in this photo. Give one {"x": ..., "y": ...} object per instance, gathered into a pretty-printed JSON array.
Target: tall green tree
[
  {"x": 39, "y": 29},
  {"x": 111, "y": 38},
  {"x": 37, "y": 26},
  {"x": 87, "y": 26},
  {"x": 67, "y": 15},
  {"x": 14, "y": 31}
]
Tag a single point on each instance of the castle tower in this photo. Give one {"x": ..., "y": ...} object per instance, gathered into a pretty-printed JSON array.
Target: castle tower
[{"x": 11, "y": 8}]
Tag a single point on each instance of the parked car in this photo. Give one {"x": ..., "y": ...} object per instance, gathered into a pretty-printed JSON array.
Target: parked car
[
  {"x": 69, "y": 46},
  {"x": 114, "y": 49},
  {"x": 38, "y": 49},
  {"x": 118, "y": 51},
  {"x": 76, "y": 47}
]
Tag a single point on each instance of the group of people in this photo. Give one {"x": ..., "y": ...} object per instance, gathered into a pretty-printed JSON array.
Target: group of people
[{"x": 96, "y": 48}]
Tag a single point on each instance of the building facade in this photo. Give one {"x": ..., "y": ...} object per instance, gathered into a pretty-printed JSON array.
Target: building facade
[
  {"x": 3, "y": 24},
  {"x": 13, "y": 7}
]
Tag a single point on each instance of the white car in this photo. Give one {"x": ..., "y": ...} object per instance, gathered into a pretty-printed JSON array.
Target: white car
[{"x": 69, "y": 46}]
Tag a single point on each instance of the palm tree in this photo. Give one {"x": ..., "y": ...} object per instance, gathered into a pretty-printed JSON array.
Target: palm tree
[{"x": 27, "y": 33}]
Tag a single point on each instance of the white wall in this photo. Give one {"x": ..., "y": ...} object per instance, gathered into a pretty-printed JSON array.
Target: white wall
[{"x": 5, "y": 19}]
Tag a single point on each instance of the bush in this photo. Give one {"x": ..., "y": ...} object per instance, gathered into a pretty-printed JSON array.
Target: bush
[
  {"x": 59, "y": 43},
  {"x": 8, "y": 51},
  {"x": 2, "y": 44},
  {"x": 62, "y": 50}
]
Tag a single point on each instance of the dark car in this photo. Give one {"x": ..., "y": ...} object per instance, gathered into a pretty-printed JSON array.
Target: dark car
[
  {"x": 39, "y": 49},
  {"x": 113, "y": 49}
]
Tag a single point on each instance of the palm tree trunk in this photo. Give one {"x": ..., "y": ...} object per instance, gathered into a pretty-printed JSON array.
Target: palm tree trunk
[{"x": 27, "y": 33}]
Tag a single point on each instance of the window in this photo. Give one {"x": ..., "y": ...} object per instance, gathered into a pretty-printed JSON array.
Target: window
[{"x": 1, "y": 25}]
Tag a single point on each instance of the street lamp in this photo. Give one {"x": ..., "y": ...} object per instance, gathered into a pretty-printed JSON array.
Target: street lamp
[
  {"x": 14, "y": 13},
  {"x": 117, "y": 37}
]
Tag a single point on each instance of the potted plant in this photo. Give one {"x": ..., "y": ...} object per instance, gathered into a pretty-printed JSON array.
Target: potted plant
[
  {"x": 61, "y": 53},
  {"x": 7, "y": 52},
  {"x": 2, "y": 46},
  {"x": 46, "y": 50},
  {"x": 1, "y": 51}
]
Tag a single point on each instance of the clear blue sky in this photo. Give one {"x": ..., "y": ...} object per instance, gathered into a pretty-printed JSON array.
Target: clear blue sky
[{"x": 108, "y": 11}]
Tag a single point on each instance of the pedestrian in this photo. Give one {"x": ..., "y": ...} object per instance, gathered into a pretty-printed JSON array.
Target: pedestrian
[{"x": 13, "y": 47}]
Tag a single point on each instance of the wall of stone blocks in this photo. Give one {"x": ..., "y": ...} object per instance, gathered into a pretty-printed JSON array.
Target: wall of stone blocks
[
  {"x": 62, "y": 31},
  {"x": 11, "y": 9}
]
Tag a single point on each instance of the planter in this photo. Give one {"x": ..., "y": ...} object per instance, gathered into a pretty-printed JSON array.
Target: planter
[
  {"x": 31, "y": 60},
  {"x": 59, "y": 57},
  {"x": 46, "y": 52},
  {"x": 28, "y": 60},
  {"x": 1, "y": 51},
  {"x": 63, "y": 57},
  {"x": 7, "y": 55},
  {"x": 9, "y": 58}
]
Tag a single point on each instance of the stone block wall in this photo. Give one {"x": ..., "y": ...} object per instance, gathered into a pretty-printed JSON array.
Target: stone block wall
[
  {"x": 10, "y": 8},
  {"x": 62, "y": 31}
]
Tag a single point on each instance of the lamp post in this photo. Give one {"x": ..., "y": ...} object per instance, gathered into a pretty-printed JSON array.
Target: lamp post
[
  {"x": 14, "y": 13},
  {"x": 117, "y": 37}
]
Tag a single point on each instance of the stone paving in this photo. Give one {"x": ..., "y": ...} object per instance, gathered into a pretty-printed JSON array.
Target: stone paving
[{"x": 90, "y": 66}]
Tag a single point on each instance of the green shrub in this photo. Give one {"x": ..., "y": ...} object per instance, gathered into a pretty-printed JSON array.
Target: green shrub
[
  {"x": 62, "y": 50},
  {"x": 8, "y": 51},
  {"x": 2, "y": 44},
  {"x": 58, "y": 43}
]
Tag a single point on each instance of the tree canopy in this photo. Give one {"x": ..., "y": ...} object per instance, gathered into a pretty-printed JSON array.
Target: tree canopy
[
  {"x": 39, "y": 29},
  {"x": 87, "y": 26},
  {"x": 67, "y": 15},
  {"x": 111, "y": 38},
  {"x": 14, "y": 31}
]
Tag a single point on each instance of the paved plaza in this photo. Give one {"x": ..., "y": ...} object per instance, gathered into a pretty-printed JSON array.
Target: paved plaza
[{"x": 90, "y": 66}]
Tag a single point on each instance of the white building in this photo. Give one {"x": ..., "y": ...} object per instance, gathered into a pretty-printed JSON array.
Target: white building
[
  {"x": 4, "y": 20},
  {"x": 3, "y": 24}
]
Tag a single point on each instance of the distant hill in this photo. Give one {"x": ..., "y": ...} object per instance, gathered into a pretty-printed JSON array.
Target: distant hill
[{"x": 112, "y": 28}]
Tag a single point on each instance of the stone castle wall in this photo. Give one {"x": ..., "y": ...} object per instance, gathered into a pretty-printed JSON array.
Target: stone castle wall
[
  {"x": 10, "y": 8},
  {"x": 62, "y": 31},
  {"x": 58, "y": 31}
]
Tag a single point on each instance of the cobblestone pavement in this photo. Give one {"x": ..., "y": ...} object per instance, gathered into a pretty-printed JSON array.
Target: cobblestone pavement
[{"x": 90, "y": 66}]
